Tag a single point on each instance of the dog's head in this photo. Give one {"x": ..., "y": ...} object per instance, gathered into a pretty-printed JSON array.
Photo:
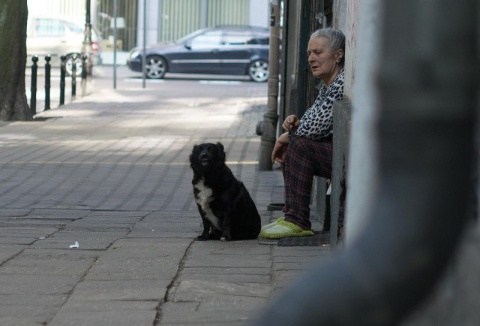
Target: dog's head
[{"x": 207, "y": 156}]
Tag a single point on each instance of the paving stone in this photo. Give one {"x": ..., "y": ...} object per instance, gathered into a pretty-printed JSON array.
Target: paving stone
[
  {"x": 104, "y": 318},
  {"x": 164, "y": 229},
  {"x": 33, "y": 300},
  {"x": 188, "y": 313},
  {"x": 26, "y": 232},
  {"x": 37, "y": 284},
  {"x": 9, "y": 251},
  {"x": 239, "y": 248},
  {"x": 138, "y": 263},
  {"x": 229, "y": 276},
  {"x": 46, "y": 262},
  {"x": 228, "y": 261},
  {"x": 16, "y": 240},
  {"x": 6, "y": 212},
  {"x": 219, "y": 270},
  {"x": 19, "y": 319},
  {"x": 38, "y": 313},
  {"x": 195, "y": 290},
  {"x": 88, "y": 240},
  {"x": 73, "y": 306},
  {"x": 124, "y": 290}
]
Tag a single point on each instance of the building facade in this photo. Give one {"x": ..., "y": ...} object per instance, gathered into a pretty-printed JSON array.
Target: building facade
[
  {"x": 169, "y": 20},
  {"x": 165, "y": 20}
]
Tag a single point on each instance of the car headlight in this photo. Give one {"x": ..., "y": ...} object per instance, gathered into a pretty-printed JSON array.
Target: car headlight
[{"x": 134, "y": 54}]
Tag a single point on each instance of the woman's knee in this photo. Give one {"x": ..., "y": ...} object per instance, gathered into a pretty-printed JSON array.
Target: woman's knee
[{"x": 299, "y": 152}]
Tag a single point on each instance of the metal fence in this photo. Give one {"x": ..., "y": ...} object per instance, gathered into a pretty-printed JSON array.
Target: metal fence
[
  {"x": 177, "y": 18},
  {"x": 173, "y": 18}
]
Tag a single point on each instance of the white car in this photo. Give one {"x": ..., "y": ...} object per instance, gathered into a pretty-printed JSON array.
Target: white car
[{"x": 57, "y": 37}]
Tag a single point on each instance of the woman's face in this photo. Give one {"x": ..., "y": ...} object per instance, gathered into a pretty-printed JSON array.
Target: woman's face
[{"x": 323, "y": 62}]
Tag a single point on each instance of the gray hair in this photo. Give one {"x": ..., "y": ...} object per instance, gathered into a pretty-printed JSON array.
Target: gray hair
[{"x": 336, "y": 39}]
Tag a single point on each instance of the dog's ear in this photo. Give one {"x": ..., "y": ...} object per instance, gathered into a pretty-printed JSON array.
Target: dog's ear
[
  {"x": 192, "y": 156},
  {"x": 221, "y": 151}
]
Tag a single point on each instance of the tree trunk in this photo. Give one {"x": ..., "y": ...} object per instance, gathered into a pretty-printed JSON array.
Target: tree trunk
[{"x": 13, "y": 57}]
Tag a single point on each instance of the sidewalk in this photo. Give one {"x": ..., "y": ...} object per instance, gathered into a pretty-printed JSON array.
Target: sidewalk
[{"x": 110, "y": 173}]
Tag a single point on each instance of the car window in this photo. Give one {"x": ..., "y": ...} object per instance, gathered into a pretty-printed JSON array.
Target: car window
[
  {"x": 189, "y": 36},
  {"x": 238, "y": 38},
  {"x": 262, "y": 39},
  {"x": 49, "y": 27},
  {"x": 207, "y": 40},
  {"x": 74, "y": 28}
]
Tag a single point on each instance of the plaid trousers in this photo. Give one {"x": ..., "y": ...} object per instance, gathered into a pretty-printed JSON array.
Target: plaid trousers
[{"x": 304, "y": 159}]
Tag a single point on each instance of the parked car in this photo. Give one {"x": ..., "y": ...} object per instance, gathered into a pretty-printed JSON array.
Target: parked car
[
  {"x": 57, "y": 37},
  {"x": 232, "y": 50}
]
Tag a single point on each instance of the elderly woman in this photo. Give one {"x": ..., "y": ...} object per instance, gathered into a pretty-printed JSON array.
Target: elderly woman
[{"x": 305, "y": 149}]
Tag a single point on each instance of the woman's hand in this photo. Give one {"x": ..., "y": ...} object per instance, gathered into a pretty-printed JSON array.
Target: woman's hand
[
  {"x": 280, "y": 148},
  {"x": 291, "y": 122}
]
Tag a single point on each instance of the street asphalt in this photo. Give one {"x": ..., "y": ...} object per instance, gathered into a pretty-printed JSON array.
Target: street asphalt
[{"x": 99, "y": 225}]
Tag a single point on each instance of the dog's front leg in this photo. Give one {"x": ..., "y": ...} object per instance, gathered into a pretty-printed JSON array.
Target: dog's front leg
[
  {"x": 227, "y": 228},
  {"x": 206, "y": 227}
]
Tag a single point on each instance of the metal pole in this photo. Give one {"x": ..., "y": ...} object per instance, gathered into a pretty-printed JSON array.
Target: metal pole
[
  {"x": 62, "y": 79},
  {"x": 74, "y": 76},
  {"x": 47, "y": 82},
  {"x": 144, "y": 51},
  {"x": 33, "y": 87},
  {"x": 115, "y": 13},
  {"x": 87, "y": 40},
  {"x": 270, "y": 118},
  {"x": 84, "y": 74}
]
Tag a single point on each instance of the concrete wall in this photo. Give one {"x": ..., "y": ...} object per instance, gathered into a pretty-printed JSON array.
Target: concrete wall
[
  {"x": 153, "y": 10},
  {"x": 73, "y": 9},
  {"x": 259, "y": 13}
]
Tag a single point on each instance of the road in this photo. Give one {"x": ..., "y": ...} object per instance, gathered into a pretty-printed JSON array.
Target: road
[{"x": 174, "y": 85}]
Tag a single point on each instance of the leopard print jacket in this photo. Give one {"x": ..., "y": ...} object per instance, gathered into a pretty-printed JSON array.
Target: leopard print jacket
[{"x": 317, "y": 122}]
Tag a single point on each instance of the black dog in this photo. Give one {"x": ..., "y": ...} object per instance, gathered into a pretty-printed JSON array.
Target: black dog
[{"x": 228, "y": 212}]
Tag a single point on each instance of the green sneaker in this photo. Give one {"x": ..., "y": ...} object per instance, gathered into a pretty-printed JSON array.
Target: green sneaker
[
  {"x": 283, "y": 229},
  {"x": 268, "y": 226}
]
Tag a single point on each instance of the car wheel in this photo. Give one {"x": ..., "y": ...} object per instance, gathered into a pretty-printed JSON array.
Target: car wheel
[
  {"x": 69, "y": 65},
  {"x": 156, "y": 67},
  {"x": 258, "y": 71}
]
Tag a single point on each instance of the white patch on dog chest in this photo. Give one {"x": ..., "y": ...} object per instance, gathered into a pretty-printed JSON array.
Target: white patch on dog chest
[{"x": 204, "y": 198}]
